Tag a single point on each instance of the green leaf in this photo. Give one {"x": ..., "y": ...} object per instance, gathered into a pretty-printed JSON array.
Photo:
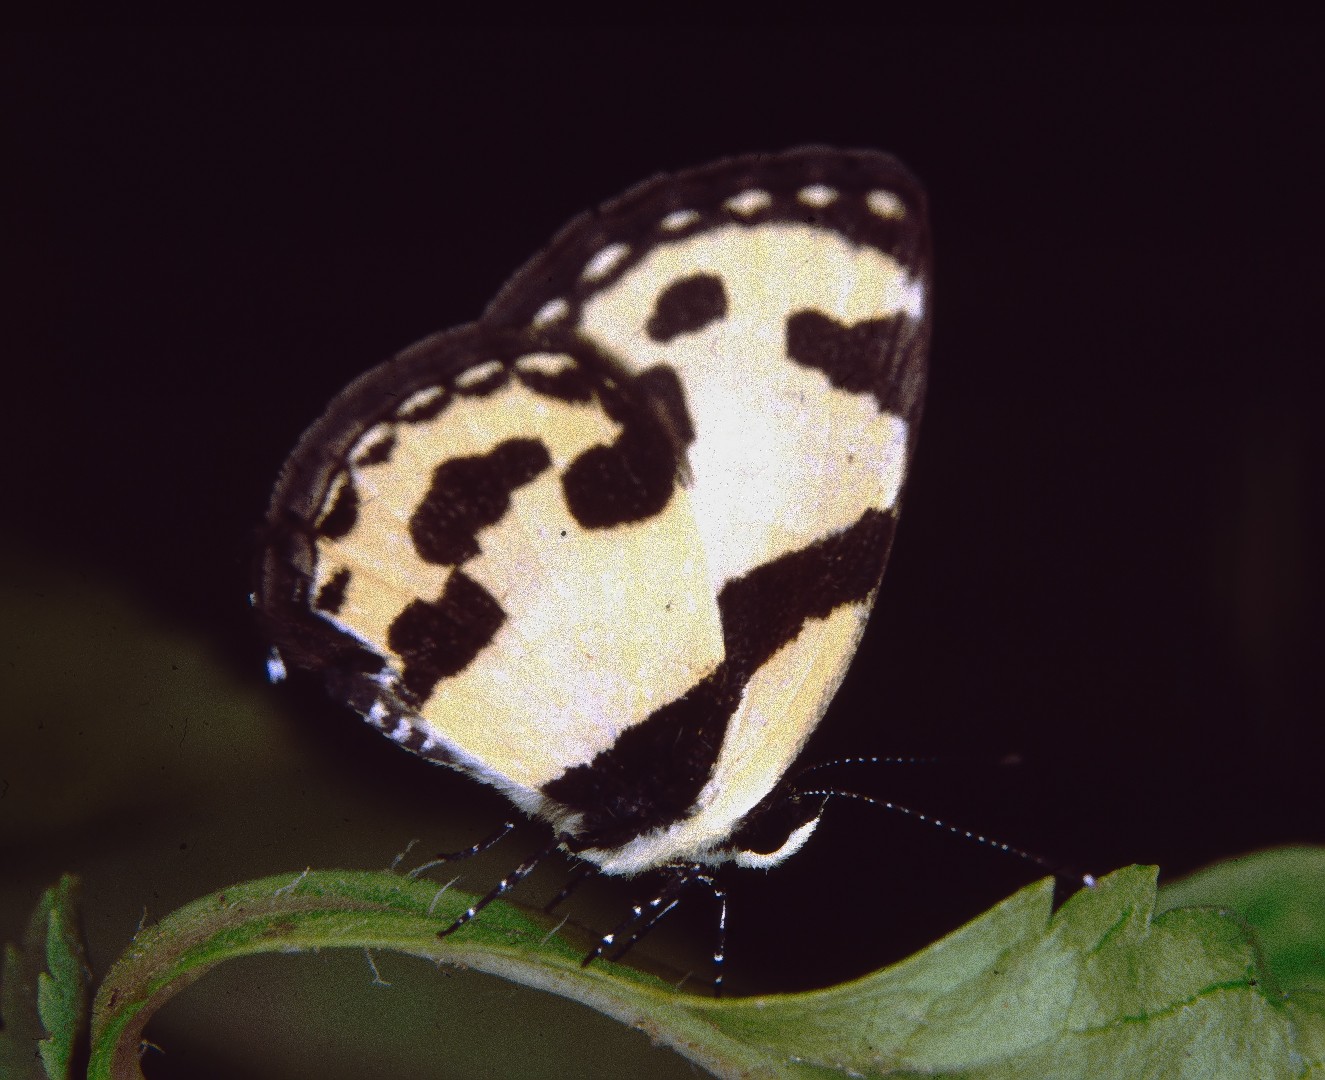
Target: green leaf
[
  {"x": 1281, "y": 896},
  {"x": 44, "y": 991},
  {"x": 1101, "y": 988}
]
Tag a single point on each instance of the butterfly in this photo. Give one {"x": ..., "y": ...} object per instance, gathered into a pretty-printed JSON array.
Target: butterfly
[{"x": 611, "y": 548}]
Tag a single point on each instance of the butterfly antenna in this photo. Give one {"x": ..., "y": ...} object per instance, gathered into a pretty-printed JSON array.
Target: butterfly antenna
[
  {"x": 1057, "y": 869},
  {"x": 866, "y": 761}
]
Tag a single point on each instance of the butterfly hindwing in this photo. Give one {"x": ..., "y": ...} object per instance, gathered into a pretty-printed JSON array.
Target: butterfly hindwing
[{"x": 448, "y": 527}]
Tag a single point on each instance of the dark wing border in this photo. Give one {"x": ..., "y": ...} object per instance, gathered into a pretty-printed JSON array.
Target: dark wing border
[{"x": 637, "y": 218}]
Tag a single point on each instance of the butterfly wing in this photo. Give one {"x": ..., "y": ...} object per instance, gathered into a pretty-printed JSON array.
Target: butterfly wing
[
  {"x": 484, "y": 547},
  {"x": 787, "y": 297},
  {"x": 611, "y": 549}
]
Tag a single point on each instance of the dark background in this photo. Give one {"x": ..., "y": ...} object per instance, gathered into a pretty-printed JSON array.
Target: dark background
[{"x": 1107, "y": 566}]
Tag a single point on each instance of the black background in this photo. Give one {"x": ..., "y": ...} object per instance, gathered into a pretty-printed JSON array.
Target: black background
[{"x": 1107, "y": 566}]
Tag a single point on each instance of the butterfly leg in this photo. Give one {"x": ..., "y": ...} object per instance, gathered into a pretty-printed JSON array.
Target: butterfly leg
[
  {"x": 502, "y": 887},
  {"x": 477, "y": 849},
  {"x": 579, "y": 875},
  {"x": 643, "y": 917},
  {"x": 720, "y": 945}
]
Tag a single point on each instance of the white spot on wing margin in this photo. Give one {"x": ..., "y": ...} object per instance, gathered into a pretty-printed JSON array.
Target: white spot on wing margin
[
  {"x": 605, "y": 262},
  {"x": 552, "y": 311},
  {"x": 816, "y": 195},
  {"x": 678, "y": 220},
  {"x": 885, "y": 204},
  {"x": 476, "y": 374},
  {"x": 749, "y": 202}
]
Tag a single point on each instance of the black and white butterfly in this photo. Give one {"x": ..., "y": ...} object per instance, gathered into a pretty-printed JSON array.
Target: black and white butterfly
[{"x": 611, "y": 547}]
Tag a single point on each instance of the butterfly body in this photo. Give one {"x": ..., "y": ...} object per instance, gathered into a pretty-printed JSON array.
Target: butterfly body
[{"x": 610, "y": 549}]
